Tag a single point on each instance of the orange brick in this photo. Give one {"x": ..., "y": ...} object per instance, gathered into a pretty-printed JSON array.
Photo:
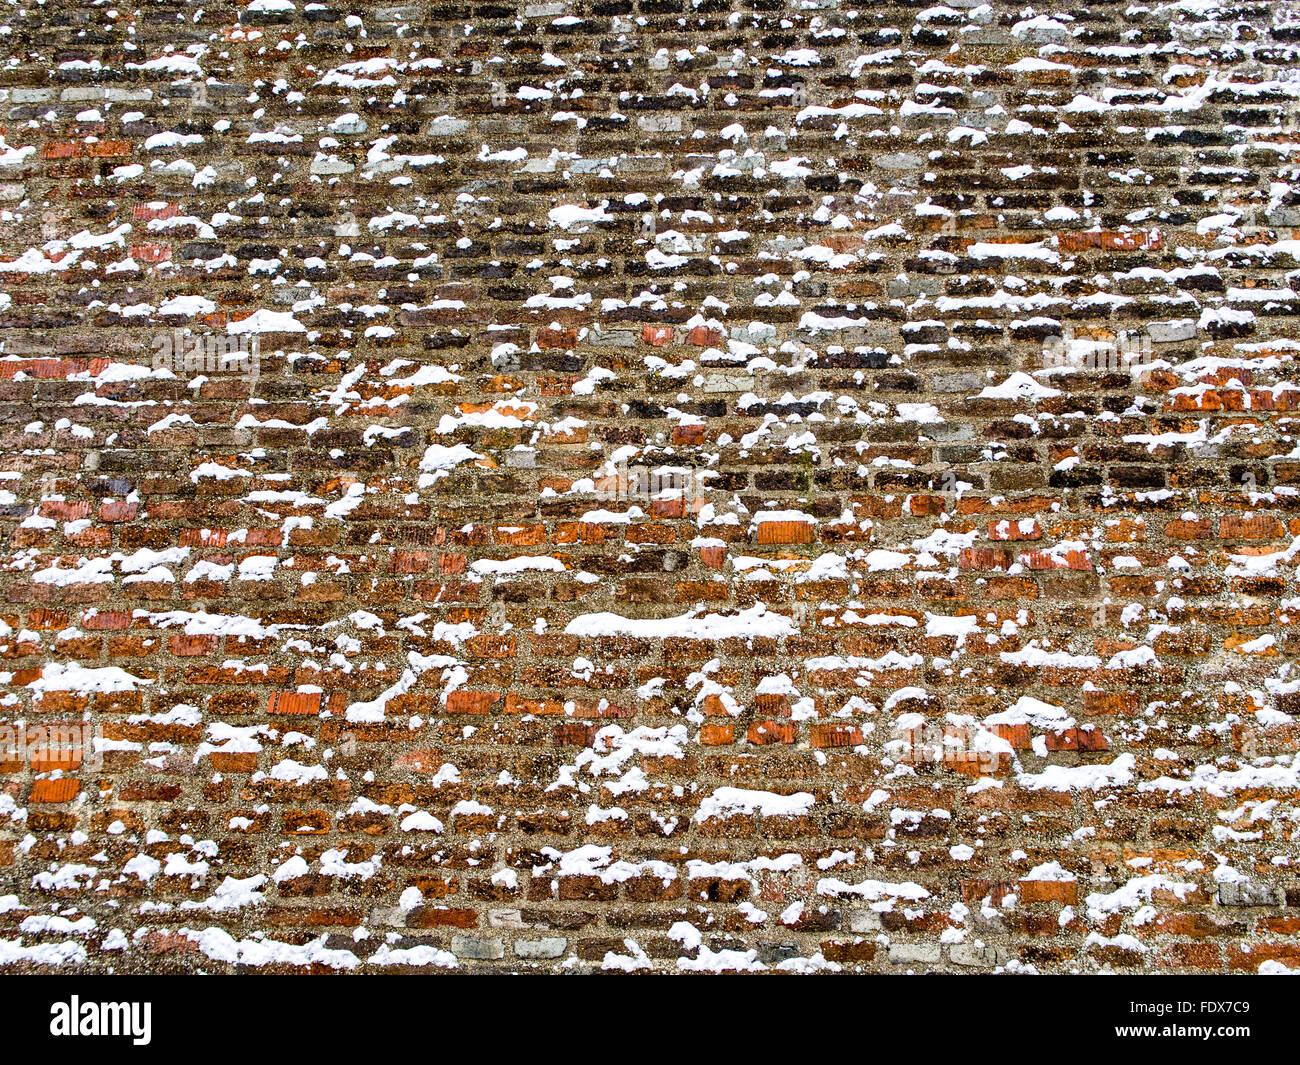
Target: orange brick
[
  {"x": 55, "y": 791},
  {"x": 470, "y": 702},
  {"x": 785, "y": 532},
  {"x": 765, "y": 732},
  {"x": 830, "y": 735},
  {"x": 300, "y": 703}
]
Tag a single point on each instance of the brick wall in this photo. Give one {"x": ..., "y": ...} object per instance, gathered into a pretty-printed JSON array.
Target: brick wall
[{"x": 648, "y": 484}]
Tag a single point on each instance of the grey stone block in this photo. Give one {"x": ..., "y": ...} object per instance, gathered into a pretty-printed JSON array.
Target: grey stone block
[
  {"x": 721, "y": 382},
  {"x": 1284, "y": 216},
  {"x": 956, "y": 382},
  {"x": 1174, "y": 332},
  {"x": 505, "y": 918},
  {"x": 660, "y": 123},
  {"x": 549, "y": 947},
  {"x": 1248, "y": 893},
  {"x": 898, "y": 161},
  {"x": 914, "y": 953},
  {"x": 478, "y": 948},
  {"x": 864, "y": 921},
  {"x": 446, "y": 126},
  {"x": 775, "y": 953},
  {"x": 612, "y": 338},
  {"x": 970, "y": 955}
]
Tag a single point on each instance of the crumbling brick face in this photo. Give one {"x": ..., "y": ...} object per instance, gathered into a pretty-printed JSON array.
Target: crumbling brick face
[{"x": 649, "y": 485}]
